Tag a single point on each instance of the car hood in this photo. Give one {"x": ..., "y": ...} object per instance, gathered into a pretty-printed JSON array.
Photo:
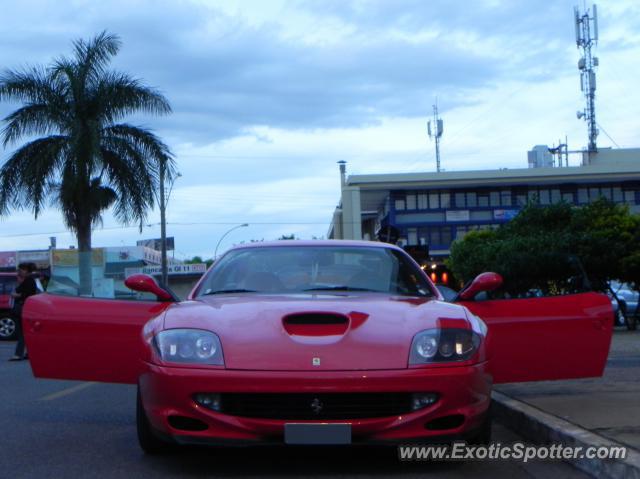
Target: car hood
[{"x": 311, "y": 332}]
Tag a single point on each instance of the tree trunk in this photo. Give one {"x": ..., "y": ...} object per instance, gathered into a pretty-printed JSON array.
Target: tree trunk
[{"x": 85, "y": 271}]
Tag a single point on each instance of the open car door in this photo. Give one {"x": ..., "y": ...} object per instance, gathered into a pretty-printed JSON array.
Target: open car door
[
  {"x": 89, "y": 339},
  {"x": 544, "y": 338}
]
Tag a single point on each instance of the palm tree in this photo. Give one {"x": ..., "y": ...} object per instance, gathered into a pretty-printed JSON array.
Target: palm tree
[{"x": 78, "y": 154}]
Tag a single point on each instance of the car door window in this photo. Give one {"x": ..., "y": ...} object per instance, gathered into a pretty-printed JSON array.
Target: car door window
[{"x": 109, "y": 269}]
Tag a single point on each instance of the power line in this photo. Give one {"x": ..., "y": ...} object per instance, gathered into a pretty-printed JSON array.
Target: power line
[
  {"x": 203, "y": 223},
  {"x": 607, "y": 134}
]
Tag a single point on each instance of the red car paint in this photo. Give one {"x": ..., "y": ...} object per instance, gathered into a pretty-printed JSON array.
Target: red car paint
[
  {"x": 364, "y": 348},
  {"x": 8, "y": 284}
]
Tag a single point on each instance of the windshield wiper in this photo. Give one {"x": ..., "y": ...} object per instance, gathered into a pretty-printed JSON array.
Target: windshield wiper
[
  {"x": 230, "y": 291},
  {"x": 342, "y": 288}
]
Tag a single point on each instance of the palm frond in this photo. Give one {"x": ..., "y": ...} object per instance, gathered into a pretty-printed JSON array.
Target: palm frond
[
  {"x": 90, "y": 162},
  {"x": 119, "y": 95},
  {"x": 93, "y": 57},
  {"x": 128, "y": 172},
  {"x": 31, "y": 119},
  {"x": 30, "y": 85},
  {"x": 25, "y": 176}
]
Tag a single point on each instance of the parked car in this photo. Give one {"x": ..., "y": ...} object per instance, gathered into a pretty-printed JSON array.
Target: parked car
[
  {"x": 315, "y": 342},
  {"x": 624, "y": 300},
  {"x": 7, "y": 323}
]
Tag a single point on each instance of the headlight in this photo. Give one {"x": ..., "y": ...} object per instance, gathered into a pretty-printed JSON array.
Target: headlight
[
  {"x": 192, "y": 346},
  {"x": 442, "y": 345}
]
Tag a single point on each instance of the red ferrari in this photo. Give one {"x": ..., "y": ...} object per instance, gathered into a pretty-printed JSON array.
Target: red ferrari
[{"x": 319, "y": 342}]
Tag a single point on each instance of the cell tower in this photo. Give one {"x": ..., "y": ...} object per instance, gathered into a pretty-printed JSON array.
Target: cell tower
[
  {"x": 435, "y": 133},
  {"x": 586, "y": 37}
]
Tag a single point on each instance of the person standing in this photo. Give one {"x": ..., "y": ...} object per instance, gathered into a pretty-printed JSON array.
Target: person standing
[{"x": 26, "y": 286}]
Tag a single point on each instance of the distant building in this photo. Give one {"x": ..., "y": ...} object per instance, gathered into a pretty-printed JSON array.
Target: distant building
[
  {"x": 110, "y": 267},
  {"x": 436, "y": 208}
]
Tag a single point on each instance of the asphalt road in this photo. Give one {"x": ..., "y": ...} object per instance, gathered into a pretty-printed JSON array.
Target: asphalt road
[{"x": 60, "y": 429}]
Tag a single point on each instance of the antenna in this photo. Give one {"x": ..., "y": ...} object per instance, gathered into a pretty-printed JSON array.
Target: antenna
[
  {"x": 586, "y": 25},
  {"x": 436, "y": 132}
]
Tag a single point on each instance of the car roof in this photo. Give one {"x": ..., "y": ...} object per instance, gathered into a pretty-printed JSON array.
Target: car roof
[{"x": 321, "y": 243}]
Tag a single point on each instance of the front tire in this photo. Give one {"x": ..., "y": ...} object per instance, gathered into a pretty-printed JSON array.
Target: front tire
[{"x": 148, "y": 440}]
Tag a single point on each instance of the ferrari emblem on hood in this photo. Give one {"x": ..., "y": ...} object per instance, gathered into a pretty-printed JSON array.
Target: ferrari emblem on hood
[{"x": 315, "y": 361}]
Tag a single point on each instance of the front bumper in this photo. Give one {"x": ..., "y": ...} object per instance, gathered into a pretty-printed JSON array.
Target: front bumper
[{"x": 168, "y": 391}]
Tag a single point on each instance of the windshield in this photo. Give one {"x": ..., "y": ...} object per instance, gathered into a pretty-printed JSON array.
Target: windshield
[{"x": 299, "y": 269}]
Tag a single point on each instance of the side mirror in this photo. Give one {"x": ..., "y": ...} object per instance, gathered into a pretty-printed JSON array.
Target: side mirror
[
  {"x": 146, "y": 284},
  {"x": 482, "y": 282}
]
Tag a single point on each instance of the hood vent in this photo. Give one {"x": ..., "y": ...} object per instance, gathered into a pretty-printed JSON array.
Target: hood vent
[{"x": 315, "y": 324}]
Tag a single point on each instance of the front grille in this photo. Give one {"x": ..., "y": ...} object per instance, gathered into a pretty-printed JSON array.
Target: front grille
[{"x": 310, "y": 406}]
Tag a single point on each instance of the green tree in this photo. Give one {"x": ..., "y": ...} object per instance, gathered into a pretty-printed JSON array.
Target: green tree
[
  {"x": 287, "y": 237},
  {"x": 540, "y": 247},
  {"x": 78, "y": 154},
  {"x": 198, "y": 260},
  {"x": 606, "y": 238}
]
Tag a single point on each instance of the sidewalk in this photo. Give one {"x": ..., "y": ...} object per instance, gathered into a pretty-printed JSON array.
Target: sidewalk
[{"x": 609, "y": 406}]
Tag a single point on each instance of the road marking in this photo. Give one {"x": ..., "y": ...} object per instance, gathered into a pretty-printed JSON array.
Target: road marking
[{"x": 66, "y": 392}]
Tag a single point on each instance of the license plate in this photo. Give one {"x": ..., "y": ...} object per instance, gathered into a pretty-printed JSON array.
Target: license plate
[{"x": 303, "y": 433}]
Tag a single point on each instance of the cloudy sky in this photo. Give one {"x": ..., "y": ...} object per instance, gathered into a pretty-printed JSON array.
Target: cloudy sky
[{"x": 268, "y": 95}]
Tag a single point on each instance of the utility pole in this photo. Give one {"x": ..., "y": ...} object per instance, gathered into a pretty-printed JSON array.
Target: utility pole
[
  {"x": 586, "y": 37},
  {"x": 436, "y": 132},
  {"x": 163, "y": 226}
]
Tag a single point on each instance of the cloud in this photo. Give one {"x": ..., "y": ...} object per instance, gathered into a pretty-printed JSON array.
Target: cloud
[
  {"x": 267, "y": 96},
  {"x": 224, "y": 75}
]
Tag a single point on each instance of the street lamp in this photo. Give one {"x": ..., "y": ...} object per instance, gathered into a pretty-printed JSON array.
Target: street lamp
[
  {"x": 215, "y": 254},
  {"x": 163, "y": 220}
]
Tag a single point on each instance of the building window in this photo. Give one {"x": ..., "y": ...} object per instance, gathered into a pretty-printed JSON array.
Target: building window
[
  {"x": 434, "y": 236},
  {"x": 445, "y": 200},
  {"x": 411, "y": 203},
  {"x": 594, "y": 194},
  {"x": 460, "y": 203},
  {"x": 606, "y": 192},
  {"x": 422, "y": 201},
  {"x": 544, "y": 197},
  {"x": 434, "y": 201},
  {"x": 532, "y": 195},
  {"x": 399, "y": 204},
  {"x": 617, "y": 194},
  {"x": 505, "y": 197},
  {"x": 494, "y": 198},
  {"x": 446, "y": 236},
  {"x": 582, "y": 195},
  {"x": 472, "y": 199},
  {"x": 555, "y": 196},
  {"x": 630, "y": 197},
  {"x": 521, "y": 200},
  {"x": 483, "y": 200},
  {"x": 423, "y": 234},
  {"x": 412, "y": 236},
  {"x": 567, "y": 197}
]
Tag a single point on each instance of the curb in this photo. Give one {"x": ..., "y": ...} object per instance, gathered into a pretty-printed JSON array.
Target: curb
[{"x": 541, "y": 427}]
